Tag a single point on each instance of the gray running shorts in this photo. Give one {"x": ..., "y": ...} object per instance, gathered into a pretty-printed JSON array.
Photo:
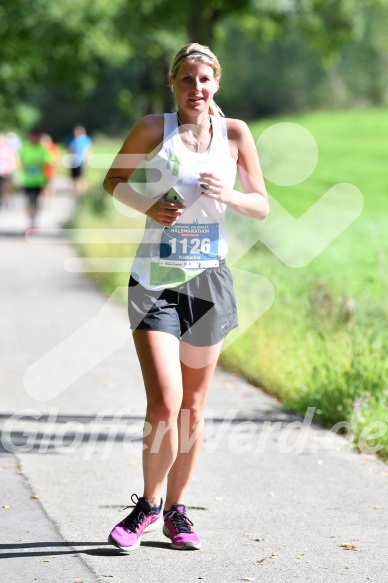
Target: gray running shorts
[{"x": 201, "y": 311}]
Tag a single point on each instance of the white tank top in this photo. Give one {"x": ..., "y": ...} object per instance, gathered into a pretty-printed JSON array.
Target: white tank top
[{"x": 203, "y": 220}]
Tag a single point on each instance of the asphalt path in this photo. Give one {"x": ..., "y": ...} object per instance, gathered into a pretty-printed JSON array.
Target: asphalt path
[{"x": 275, "y": 498}]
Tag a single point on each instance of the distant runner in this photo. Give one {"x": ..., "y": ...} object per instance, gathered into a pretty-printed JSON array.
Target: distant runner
[
  {"x": 80, "y": 148},
  {"x": 33, "y": 157}
]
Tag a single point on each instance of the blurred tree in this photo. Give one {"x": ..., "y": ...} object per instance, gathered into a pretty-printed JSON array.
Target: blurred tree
[
  {"x": 74, "y": 59},
  {"x": 360, "y": 72},
  {"x": 264, "y": 78},
  {"x": 292, "y": 71},
  {"x": 53, "y": 42}
]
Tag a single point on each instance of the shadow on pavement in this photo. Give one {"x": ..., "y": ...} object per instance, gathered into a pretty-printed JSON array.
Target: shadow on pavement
[
  {"x": 52, "y": 546},
  {"x": 50, "y": 549}
]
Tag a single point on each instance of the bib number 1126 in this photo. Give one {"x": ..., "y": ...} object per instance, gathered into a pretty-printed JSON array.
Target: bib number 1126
[{"x": 192, "y": 246}]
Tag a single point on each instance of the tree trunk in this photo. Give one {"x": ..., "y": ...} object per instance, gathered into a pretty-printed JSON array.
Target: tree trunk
[{"x": 201, "y": 21}]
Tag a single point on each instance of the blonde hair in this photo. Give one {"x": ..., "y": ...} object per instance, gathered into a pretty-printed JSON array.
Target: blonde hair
[{"x": 194, "y": 52}]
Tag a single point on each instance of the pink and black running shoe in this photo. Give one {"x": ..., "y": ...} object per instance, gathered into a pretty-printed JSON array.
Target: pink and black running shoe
[
  {"x": 143, "y": 518},
  {"x": 178, "y": 528}
]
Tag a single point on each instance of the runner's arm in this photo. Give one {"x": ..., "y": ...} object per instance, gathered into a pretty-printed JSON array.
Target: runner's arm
[
  {"x": 253, "y": 202},
  {"x": 144, "y": 138},
  {"x": 131, "y": 155}
]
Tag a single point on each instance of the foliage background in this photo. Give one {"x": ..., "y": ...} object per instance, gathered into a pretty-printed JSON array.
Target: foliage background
[{"x": 105, "y": 63}]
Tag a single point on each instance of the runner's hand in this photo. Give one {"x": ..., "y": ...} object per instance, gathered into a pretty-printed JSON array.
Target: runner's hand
[
  {"x": 213, "y": 186},
  {"x": 165, "y": 213}
]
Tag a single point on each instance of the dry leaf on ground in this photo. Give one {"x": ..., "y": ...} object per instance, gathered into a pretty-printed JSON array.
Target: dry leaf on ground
[{"x": 348, "y": 546}]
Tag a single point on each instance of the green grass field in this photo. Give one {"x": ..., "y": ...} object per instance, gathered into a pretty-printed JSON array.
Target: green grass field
[{"x": 323, "y": 342}]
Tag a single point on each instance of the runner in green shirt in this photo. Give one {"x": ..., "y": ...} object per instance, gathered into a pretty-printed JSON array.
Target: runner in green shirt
[{"x": 33, "y": 158}]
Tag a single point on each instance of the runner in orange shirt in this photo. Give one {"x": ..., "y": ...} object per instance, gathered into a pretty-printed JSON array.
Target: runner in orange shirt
[{"x": 50, "y": 170}]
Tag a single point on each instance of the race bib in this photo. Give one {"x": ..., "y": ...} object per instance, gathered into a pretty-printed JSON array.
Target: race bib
[
  {"x": 190, "y": 246},
  {"x": 32, "y": 170}
]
